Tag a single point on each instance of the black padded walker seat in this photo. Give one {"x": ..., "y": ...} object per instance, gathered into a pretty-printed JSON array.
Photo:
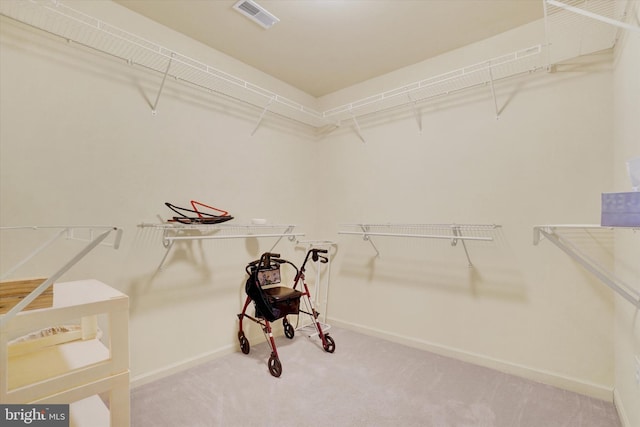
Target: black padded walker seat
[{"x": 285, "y": 299}]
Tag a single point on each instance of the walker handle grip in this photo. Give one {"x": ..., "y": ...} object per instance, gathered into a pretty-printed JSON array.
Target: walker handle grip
[{"x": 315, "y": 254}]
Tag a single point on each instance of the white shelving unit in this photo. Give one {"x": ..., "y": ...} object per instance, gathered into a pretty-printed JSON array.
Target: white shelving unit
[
  {"x": 573, "y": 27},
  {"x": 553, "y": 233},
  {"x": 453, "y": 232},
  {"x": 56, "y": 18},
  {"x": 174, "y": 232},
  {"x": 484, "y": 73},
  {"x": 77, "y": 368}
]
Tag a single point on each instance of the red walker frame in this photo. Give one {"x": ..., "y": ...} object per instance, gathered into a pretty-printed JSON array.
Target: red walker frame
[{"x": 267, "y": 264}]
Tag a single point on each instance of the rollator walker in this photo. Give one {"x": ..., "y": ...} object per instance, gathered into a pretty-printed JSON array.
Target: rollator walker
[{"x": 277, "y": 302}]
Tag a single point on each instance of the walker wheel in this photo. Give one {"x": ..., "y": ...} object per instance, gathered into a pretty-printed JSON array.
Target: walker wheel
[
  {"x": 329, "y": 345},
  {"x": 275, "y": 367},
  {"x": 244, "y": 343},
  {"x": 289, "y": 332}
]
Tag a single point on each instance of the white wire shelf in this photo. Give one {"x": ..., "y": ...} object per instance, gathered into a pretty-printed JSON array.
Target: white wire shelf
[
  {"x": 174, "y": 232},
  {"x": 564, "y": 26},
  {"x": 453, "y": 232},
  {"x": 554, "y": 233},
  {"x": 582, "y": 27},
  {"x": 480, "y": 74},
  {"x": 56, "y": 18}
]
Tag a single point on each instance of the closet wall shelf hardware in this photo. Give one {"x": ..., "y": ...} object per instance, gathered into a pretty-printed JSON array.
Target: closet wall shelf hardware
[
  {"x": 550, "y": 232},
  {"x": 173, "y": 232},
  {"x": 454, "y": 238},
  {"x": 480, "y": 74},
  {"x": 92, "y": 235},
  {"x": 232, "y": 236},
  {"x": 317, "y": 243},
  {"x": 575, "y": 28},
  {"x": 56, "y": 18},
  {"x": 452, "y": 232},
  {"x": 609, "y": 12}
]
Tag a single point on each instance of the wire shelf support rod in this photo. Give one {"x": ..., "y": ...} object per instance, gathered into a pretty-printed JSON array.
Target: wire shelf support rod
[{"x": 604, "y": 275}]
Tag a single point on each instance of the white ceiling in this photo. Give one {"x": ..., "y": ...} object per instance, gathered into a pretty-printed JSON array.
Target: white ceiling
[{"x": 320, "y": 46}]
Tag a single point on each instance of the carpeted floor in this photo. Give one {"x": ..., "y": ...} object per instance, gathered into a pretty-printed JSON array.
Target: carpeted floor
[{"x": 366, "y": 382}]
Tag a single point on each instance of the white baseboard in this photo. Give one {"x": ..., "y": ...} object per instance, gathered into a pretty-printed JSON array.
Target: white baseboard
[
  {"x": 622, "y": 414},
  {"x": 256, "y": 338},
  {"x": 597, "y": 391},
  {"x": 561, "y": 381},
  {"x": 183, "y": 365}
]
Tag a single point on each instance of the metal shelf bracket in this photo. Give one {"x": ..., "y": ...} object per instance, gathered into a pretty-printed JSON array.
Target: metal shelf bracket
[
  {"x": 266, "y": 107},
  {"x": 416, "y": 113},
  {"x": 603, "y": 274},
  {"x": 164, "y": 78},
  {"x": 493, "y": 94},
  {"x": 357, "y": 128}
]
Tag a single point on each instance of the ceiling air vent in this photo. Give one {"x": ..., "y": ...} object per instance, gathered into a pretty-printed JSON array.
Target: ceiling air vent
[{"x": 256, "y": 13}]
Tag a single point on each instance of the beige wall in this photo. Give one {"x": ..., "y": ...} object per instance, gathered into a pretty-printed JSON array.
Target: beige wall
[
  {"x": 79, "y": 145},
  {"x": 522, "y": 308},
  {"x": 626, "y": 138}
]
